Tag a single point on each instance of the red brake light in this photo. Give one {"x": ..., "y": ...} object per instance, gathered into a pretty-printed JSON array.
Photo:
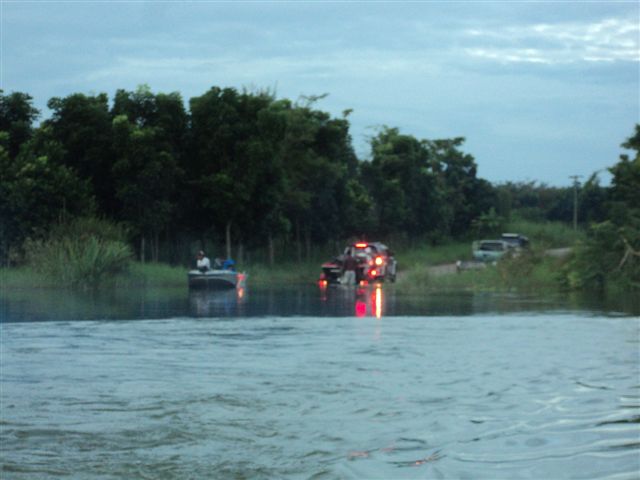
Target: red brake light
[{"x": 361, "y": 245}]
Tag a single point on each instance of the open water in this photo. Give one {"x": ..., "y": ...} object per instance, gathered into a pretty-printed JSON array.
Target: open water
[{"x": 317, "y": 384}]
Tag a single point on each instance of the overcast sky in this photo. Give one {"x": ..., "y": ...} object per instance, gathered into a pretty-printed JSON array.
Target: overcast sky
[{"x": 540, "y": 90}]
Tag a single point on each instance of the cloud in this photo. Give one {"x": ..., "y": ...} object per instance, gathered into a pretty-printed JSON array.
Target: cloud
[
  {"x": 330, "y": 65},
  {"x": 609, "y": 40}
]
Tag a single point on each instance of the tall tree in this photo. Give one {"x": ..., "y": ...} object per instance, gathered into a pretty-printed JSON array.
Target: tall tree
[
  {"x": 82, "y": 125},
  {"x": 224, "y": 131},
  {"x": 466, "y": 195},
  {"x": 145, "y": 176},
  {"x": 407, "y": 189},
  {"x": 17, "y": 115}
]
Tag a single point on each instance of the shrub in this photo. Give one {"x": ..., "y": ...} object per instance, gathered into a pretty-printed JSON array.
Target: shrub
[
  {"x": 546, "y": 234},
  {"x": 82, "y": 253},
  {"x": 605, "y": 258}
]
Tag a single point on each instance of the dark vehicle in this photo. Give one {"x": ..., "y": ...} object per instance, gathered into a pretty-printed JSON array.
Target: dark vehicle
[
  {"x": 375, "y": 263},
  {"x": 515, "y": 240}
]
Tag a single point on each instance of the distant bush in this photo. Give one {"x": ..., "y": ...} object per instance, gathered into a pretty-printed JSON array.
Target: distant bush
[
  {"x": 546, "y": 234},
  {"x": 606, "y": 259},
  {"x": 82, "y": 253}
]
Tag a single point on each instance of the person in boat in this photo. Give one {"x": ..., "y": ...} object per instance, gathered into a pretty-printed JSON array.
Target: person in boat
[
  {"x": 349, "y": 266},
  {"x": 228, "y": 264},
  {"x": 202, "y": 262}
]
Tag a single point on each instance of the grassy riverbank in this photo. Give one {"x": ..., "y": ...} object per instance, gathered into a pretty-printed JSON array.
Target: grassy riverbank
[
  {"x": 163, "y": 275},
  {"x": 533, "y": 271},
  {"x": 138, "y": 275}
]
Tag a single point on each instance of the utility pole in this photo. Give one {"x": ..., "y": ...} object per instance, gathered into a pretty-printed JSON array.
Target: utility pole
[{"x": 576, "y": 184}]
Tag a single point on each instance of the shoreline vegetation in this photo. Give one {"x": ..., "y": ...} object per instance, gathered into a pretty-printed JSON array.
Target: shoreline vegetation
[
  {"x": 531, "y": 271},
  {"x": 276, "y": 184}
]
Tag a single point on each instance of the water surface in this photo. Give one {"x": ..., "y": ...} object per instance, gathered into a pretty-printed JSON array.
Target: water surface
[{"x": 303, "y": 383}]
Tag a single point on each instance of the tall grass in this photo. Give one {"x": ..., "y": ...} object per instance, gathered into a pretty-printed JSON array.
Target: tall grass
[
  {"x": 433, "y": 255},
  {"x": 23, "y": 277},
  {"x": 79, "y": 262},
  {"x": 83, "y": 253},
  {"x": 283, "y": 273},
  {"x": 529, "y": 272},
  {"x": 152, "y": 275},
  {"x": 546, "y": 234},
  {"x": 420, "y": 280}
]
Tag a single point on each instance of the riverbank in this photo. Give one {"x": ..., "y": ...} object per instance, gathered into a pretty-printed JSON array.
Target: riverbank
[
  {"x": 138, "y": 275},
  {"x": 422, "y": 267},
  {"x": 419, "y": 269},
  {"x": 144, "y": 275},
  {"x": 529, "y": 272}
]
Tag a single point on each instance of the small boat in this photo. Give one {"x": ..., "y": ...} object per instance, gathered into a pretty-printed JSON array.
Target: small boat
[{"x": 216, "y": 279}]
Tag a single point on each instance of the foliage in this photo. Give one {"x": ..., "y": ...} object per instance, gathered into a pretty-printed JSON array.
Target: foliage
[
  {"x": 84, "y": 253},
  {"x": 404, "y": 185},
  {"x": 81, "y": 124},
  {"x": 610, "y": 255},
  {"x": 545, "y": 234},
  {"x": 260, "y": 173},
  {"x": 595, "y": 259},
  {"x": 35, "y": 193},
  {"x": 433, "y": 255},
  {"x": 487, "y": 224},
  {"x": 17, "y": 115},
  {"x": 145, "y": 176}
]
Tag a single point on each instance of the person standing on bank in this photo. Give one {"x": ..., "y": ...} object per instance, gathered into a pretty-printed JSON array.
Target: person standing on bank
[
  {"x": 203, "y": 262},
  {"x": 349, "y": 266}
]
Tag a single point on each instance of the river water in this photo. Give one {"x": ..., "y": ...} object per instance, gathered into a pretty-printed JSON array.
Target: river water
[{"x": 322, "y": 384}]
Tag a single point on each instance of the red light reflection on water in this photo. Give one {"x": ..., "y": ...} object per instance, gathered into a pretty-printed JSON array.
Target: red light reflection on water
[
  {"x": 376, "y": 301},
  {"x": 369, "y": 303}
]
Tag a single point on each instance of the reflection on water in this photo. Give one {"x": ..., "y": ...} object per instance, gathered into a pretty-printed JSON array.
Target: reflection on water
[
  {"x": 374, "y": 301},
  {"x": 216, "y": 303},
  {"x": 305, "y": 382},
  {"x": 367, "y": 300}
]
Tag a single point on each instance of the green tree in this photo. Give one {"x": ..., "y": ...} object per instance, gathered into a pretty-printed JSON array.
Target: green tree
[
  {"x": 163, "y": 117},
  {"x": 611, "y": 253},
  {"x": 466, "y": 196},
  {"x": 35, "y": 193},
  {"x": 407, "y": 190},
  {"x": 81, "y": 124},
  {"x": 320, "y": 167},
  {"x": 145, "y": 176},
  {"x": 592, "y": 201},
  {"x": 17, "y": 115},
  {"x": 227, "y": 155}
]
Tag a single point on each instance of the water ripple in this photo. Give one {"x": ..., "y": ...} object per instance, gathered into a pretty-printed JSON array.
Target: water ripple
[{"x": 321, "y": 398}]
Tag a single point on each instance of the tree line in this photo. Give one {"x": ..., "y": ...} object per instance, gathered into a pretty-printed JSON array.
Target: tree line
[{"x": 245, "y": 171}]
